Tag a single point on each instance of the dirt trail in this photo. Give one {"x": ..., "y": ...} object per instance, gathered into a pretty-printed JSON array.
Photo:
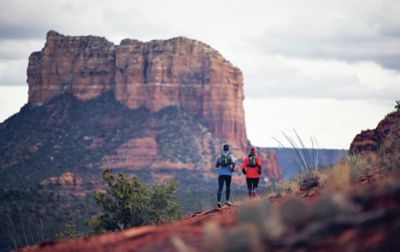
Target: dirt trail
[
  {"x": 164, "y": 237},
  {"x": 378, "y": 205}
]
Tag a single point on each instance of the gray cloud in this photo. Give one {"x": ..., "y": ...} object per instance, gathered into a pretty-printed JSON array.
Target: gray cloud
[
  {"x": 361, "y": 33},
  {"x": 24, "y": 24},
  {"x": 16, "y": 49},
  {"x": 345, "y": 30},
  {"x": 32, "y": 19},
  {"x": 20, "y": 31},
  {"x": 388, "y": 61},
  {"x": 14, "y": 56},
  {"x": 131, "y": 23},
  {"x": 25, "y": 19},
  {"x": 383, "y": 51},
  {"x": 13, "y": 72},
  {"x": 290, "y": 82}
]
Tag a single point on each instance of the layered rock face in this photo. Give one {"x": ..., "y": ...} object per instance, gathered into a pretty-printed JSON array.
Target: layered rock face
[
  {"x": 372, "y": 140},
  {"x": 67, "y": 180},
  {"x": 157, "y": 74},
  {"x": 83, "y": 66}
]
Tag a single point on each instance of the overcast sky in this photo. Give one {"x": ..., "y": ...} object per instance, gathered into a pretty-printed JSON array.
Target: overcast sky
[{"x": 328, "y": 69}]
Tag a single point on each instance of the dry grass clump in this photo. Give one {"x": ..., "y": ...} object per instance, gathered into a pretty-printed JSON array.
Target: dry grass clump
[
  {"x": 293, "y": 225},
  {"x": 243, "y": 237},
  {"x": 284, "y": 188},
  {"x": 353, "y": 168},
  {"x": 390, "y": 151},
  {"x": 303, "y": 181},
  {"x": 339, "y": 177}
]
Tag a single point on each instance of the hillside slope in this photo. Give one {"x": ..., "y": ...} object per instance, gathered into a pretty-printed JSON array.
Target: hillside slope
[
  {"x": 365, "y": 218},
  {"x": 356, "y": 207},
  {"x": 67, "y": 135}
]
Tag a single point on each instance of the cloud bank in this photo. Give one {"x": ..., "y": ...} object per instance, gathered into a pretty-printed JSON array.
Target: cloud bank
[{"x": 342, "y": 54}]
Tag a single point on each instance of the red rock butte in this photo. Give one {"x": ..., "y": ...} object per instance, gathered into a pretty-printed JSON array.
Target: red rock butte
[
  {"x": 373, "y": 139},
  {"x": 175, "y": 72}
]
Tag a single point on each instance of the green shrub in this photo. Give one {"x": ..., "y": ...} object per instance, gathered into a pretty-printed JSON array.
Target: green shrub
[
  {"x": 70, "y": 231},
  {"x": 126, "y": 202}
]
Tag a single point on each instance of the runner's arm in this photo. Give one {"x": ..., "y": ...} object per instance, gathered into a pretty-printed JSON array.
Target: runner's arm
[{"x": 244, "y": 165}]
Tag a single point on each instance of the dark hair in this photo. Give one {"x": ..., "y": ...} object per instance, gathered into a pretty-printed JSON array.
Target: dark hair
[{"x": 225, "y": 147}]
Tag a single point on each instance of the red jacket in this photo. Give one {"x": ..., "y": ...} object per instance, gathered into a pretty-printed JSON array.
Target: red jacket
[{"x": 252, "y": 172}]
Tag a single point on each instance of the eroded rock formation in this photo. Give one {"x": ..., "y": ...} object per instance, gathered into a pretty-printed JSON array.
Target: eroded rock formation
[
  {"x": 176, "y": 72},
  {"x": 67, "y": 180},
  {"x": 372, "y": 140}
]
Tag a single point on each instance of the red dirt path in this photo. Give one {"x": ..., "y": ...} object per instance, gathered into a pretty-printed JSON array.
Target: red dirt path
[{"x": 149, "y": 238}]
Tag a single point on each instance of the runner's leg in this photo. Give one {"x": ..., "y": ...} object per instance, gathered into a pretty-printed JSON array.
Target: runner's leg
[
  {"x": 228, "y": 180},
  {"x": 248, "y": 182},
  {"x": 255, "y": 185},
  {"x": 220, "y": 187}
]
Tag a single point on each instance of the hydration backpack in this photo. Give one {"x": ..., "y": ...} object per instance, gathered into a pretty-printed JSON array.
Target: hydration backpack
[
  {"x": 252, "y": 160},
  {"x": 225, "y": 159}
]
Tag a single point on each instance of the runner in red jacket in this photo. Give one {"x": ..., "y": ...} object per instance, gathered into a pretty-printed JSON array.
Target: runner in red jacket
[{"x": 251, "y": 166}]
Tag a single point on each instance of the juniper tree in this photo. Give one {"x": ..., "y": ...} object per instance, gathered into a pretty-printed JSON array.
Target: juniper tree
[{"x": 126, "y": 202}]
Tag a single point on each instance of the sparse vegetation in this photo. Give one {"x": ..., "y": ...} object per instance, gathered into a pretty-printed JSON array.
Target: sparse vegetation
[
  {"x": 70, "y": 231},
  {"x": 285, "y": 187},
  {"x": 338, "y": 177},
  {"x": 126, "y": 202},
  {"x": 397, "y": 106},
  {"x": 296, "y": 184},
  {"x": 177, "y": 141},
  {"x": 307, "y": 161},
  {"x": 32, "y": 215},
  {"x": 296, "y": 224},
  {"x": 390, "y": 150}
]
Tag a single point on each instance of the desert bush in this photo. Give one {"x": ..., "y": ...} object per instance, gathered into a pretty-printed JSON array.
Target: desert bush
[
  {"x": 31, "y": 215},
  {"x": 283, "y": 188},
  {"x": 352, "y": 168},
  {"x": 367, "y": 163},
  {"x": 70, "y": 231},
  {"x": 352, "y": 159},
  {"x": 126, "y": 202},
  {"x": 297, "y": 183},
  {"x": 339, "y": 177},
  {"x": 307, "y": 159},
  {"x": 390, "y": 150}
]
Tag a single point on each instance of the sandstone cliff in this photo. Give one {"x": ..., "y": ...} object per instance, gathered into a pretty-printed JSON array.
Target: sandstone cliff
[
  {"x": 372, "y": 140},
  {"x": 179, "y": 72},
  {"x": 160, "y": 108}
]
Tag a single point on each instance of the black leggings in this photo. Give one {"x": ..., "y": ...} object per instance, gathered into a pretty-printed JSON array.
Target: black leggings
[
  {"x": 221, "y": 179},
  {"x": 252, "y": 184}
]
